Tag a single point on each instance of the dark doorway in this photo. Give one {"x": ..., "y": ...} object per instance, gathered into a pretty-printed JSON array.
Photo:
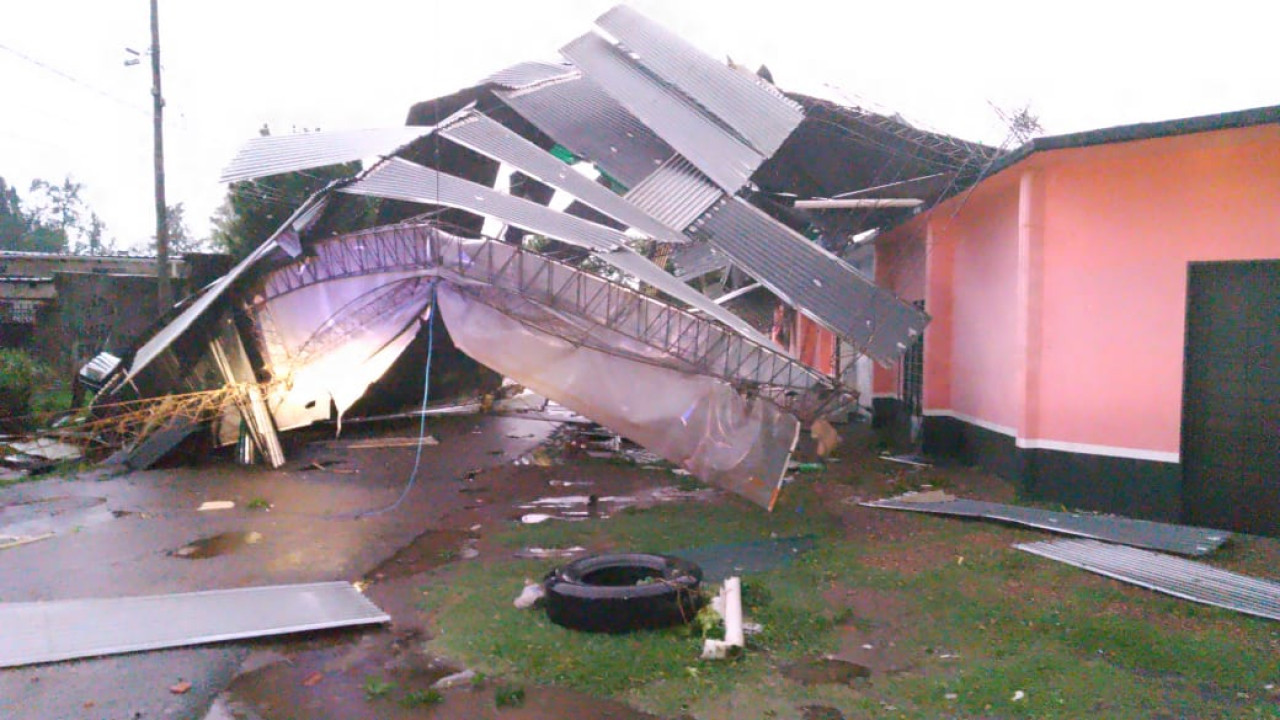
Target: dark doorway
[{"x": 1231, "y": 397}]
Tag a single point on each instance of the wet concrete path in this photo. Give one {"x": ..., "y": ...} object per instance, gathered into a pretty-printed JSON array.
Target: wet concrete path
[{"x": 142, "y": 534}]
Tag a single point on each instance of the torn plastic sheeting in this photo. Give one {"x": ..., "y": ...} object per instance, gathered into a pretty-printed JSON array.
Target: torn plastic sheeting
[
  {"x": 700, "y": 423},
  {"x": 335, "y": 338}
]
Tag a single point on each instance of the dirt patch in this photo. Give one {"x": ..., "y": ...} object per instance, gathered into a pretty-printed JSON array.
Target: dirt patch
[
  {"x": 336, "y": 677},
  {"x": 870, "y": 637},
  {"x": 388, "y": 676},
  {"x": 820, "y": 712}
]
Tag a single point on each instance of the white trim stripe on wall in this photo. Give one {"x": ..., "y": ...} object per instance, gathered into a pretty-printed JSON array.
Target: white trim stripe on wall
[{"x": 1058, "y": 445}]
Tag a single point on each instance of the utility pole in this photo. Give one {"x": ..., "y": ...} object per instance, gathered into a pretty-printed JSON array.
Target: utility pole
[{"x": 163, "y": 294}]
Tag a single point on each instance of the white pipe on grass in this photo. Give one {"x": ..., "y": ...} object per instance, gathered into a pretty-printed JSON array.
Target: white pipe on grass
[{"x": 734, "y": 639}]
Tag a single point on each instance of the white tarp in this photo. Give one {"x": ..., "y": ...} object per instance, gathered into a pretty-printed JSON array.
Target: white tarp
[
  {"x": 698, "y": 422},
  {"x": 331, "y": 340}
]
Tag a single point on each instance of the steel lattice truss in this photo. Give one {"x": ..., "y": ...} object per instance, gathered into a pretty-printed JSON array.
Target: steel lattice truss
[{"x": 684, "y": 340}]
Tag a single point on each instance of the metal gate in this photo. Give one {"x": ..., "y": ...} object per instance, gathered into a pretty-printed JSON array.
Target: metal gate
[{"x": 1231, "y": 397}]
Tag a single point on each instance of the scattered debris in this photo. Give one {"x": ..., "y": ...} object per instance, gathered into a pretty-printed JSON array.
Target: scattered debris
[
  {"x": 537, "y": 553},
  {"x": 49, "y": 631},
  {"x": 928, "y": 496},
  {"x": 46, "y": 449},
  {"x": 1018, "y": 696},
  {"x": 536, "y": 518},
  {"x": 729, "y": 604},
  {"x": 826, "y": 435},
  {"x": 181, "y": 688},
  {"x": 458, "y": 678},
  {"x": 805, "y": 467},
  {"x": 532, "y": 593},
  {"x": 9, "y": 541},
  {"x": 912, "y": 459},
  {"x": 391, "y": 442},
  {"x": 1180, "y": 539},
  {"x": 216, "y": 505},
  {"x": 1166, "y": 574}
]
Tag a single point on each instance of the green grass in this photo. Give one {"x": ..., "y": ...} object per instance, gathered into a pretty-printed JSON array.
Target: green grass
[
  {"x": 375, "y": 688},
  {"x": 51, "y": 399},
  {"x": 977, "y": 631},
  {"x": 421, "y": 698}
]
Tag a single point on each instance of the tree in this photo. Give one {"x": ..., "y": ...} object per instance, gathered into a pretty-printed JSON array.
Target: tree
[
  {"x": 180, "y": 239},
  {"x": 254, "y": 209},
  {"x": 61, "y": 207},
  {"x": 25, "y": 231}
]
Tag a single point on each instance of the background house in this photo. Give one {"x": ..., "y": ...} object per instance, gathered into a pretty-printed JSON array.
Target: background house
[
  {"x": 64, "y": 309},
  {"x": 1106, "y": 320}
]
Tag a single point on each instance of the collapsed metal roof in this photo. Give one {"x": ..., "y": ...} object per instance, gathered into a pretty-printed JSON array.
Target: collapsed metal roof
[{"x": 657, "y": 148}]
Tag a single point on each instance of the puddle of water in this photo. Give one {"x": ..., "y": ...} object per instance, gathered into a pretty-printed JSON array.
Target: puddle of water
[
  {"x": 826, "y": 671},
  {"x": 431, "y": 549},
  {"x": 220, "y": 544}
]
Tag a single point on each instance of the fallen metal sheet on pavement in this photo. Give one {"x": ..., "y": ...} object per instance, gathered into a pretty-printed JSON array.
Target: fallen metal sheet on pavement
[
  {"x": 1180, "y": 578},
  {"x": 1180, "y": 539},
  {"x": 40, "y": 632}
]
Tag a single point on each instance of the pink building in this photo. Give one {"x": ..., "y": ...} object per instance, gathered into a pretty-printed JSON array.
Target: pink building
[{"x": 1106, "y": 320}]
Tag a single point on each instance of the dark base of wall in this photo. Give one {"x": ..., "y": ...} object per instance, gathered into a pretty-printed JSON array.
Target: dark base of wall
[
  {"x": 1136, "y": 488},
  {"x": 892, "y": 423}
]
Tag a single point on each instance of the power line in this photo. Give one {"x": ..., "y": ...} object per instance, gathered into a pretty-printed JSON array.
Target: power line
[{"x": 73, "y": 79}]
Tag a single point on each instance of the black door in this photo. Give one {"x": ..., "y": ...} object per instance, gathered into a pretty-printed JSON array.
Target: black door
[{"x": 1231, "y": 397}]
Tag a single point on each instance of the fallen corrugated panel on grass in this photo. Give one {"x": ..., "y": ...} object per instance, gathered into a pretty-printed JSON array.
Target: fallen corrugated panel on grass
[
  {"x": 1165, "y": 574},
  {"x": 40, "y": 632},
  {"x": 1180, "y": 539}
]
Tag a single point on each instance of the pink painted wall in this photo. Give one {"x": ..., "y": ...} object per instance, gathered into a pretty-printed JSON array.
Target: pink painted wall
[
  {"x": 1121, "y": 224},
  {"x": 981, "y": 378}
]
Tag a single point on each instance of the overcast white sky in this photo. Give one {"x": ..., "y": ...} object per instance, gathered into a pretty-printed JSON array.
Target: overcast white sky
[{"x": 232, "y": 65}]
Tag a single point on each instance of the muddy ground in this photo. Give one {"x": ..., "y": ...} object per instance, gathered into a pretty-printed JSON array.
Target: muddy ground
[{"x": 311, "y": 521}]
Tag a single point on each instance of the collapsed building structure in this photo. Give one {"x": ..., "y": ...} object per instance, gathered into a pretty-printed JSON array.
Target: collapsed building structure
[{"x": 537, "y": 213}]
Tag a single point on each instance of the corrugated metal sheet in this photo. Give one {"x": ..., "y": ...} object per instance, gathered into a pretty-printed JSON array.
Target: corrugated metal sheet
[
  {"x": 724, "y": 158},
  {"x": 812, "y": 280},
  {"x": 400, "y": 179},
  {"x": 581, "y": 116},
  {"x": 762, "y": 118},
  {"x": 39, "y": 632},
  {"x": 642, "y": 268},
  {"x": 1180, "y": 539},
  {"x": 491, "y": 138},
  {"x": 528, "y": 74},
  {"x": 276, "y": 154},
  {"x": 696, "y": 259},
  {"x": 1166, "y": 574},
  {"x": 158, "y": 343},
  {"x": 676, "y": 194}
]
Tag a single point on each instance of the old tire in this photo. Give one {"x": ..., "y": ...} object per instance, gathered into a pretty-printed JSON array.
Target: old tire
[{"x": 620, "y": 592}]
